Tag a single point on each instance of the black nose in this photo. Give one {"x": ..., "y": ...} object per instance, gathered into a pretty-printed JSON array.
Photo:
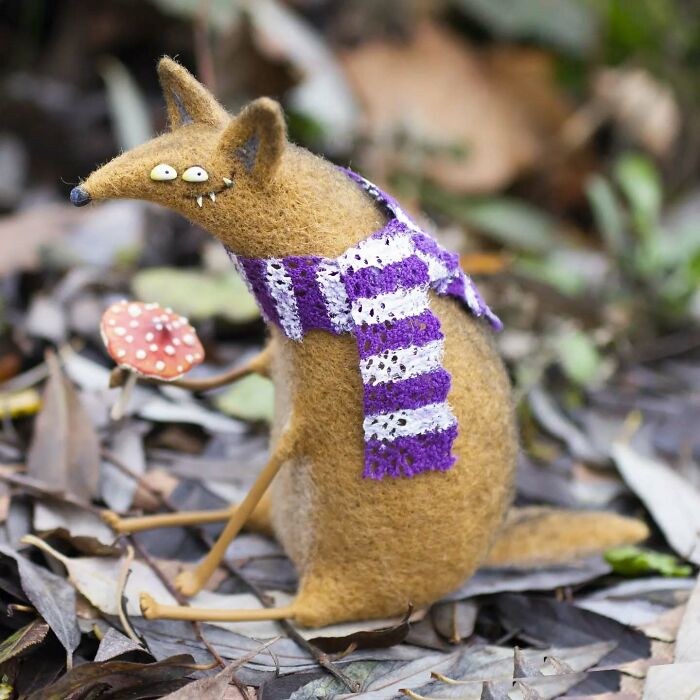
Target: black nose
[{"x": 79, "y": 197}]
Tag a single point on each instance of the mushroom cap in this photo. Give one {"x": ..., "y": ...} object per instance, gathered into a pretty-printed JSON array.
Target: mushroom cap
[{"x": 150, "y": 340}]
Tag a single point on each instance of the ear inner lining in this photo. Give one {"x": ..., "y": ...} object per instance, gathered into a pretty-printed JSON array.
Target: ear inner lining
[
  {"x": 187, "y": 100},
  {"x": 256, "y": 138},
  {"x": 248, "y": 152},
  {"x": 185, "y": 117}
]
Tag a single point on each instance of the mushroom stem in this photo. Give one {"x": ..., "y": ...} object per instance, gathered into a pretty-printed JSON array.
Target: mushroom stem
[
  {"x": 214, "y": 382},
  {"x": 122, "y": 402},
  {"x": 257, "y": 365}
]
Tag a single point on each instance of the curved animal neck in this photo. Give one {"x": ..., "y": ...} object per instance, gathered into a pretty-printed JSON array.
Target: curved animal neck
[{"x": 311, "y": 208}]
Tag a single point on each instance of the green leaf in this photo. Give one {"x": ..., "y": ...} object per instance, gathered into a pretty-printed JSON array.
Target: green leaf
[
  {"x": 635, "y": 561},
  {"x": 567, "y": 24},
  {"x": 608, "y": 214},
  {"x": 197, "y": 295},
  {"x": 509, "y": 221},
  {"x": 678, "y": 247},
  {"x": 221, "y": 15},
  {"x": 550, "y": 271},
  {"x": 251, "y": 398},
  {"x": 127, "y": 104},
  {"x": 578, "y": 357},
  {"x": 644, "y": 27},
  {"x": 29, "y": 636},
  {"x": 640, "y": 182},
  {"x": 513, "y": 223}
]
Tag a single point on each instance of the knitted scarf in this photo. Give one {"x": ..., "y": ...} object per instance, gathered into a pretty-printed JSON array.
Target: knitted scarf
[{"x": 378, "y": 291}]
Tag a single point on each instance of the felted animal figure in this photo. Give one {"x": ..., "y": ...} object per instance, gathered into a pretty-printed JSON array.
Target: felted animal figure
[{"x": 393, "y": 443}]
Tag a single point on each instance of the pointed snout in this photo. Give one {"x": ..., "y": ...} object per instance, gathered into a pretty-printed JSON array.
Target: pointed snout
[{"x": 79, "y": 196}]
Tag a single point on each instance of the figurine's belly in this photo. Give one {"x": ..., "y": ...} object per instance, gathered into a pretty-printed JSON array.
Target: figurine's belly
[{"x": 406, "y": 538}]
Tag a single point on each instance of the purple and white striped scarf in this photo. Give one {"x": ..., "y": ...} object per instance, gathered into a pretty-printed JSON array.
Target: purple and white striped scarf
[{"x": 378, "y": 291}]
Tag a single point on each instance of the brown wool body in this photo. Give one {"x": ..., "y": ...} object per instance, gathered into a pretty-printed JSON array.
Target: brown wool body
[{"x": 363, "y": 548}]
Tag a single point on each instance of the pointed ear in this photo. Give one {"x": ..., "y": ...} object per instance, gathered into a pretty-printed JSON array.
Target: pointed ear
[
  {"x": 257, "y": 138},
  {"x": 186, "y": 99}
]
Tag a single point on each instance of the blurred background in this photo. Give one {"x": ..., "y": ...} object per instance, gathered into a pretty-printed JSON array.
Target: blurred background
[{"x": 554, "y": 143}]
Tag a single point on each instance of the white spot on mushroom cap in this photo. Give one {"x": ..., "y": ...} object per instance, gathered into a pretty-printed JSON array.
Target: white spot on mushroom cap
[
  {"x": 120, "y": 331},
  {"x": 121, "y": 353},
  {"x": 149, "y": 336},
  {"x": 140, "y": 354},
  {"x": 169, "y": 350},
  {"x": 134, "y": 324},
  {"x": 189, "y": 358},
  {"x": 154, "y": 348},
  {"x": 134, "y": 310},
  {"x": 188, "y": 339},
  {"x": 129, "y": 338},
  {"x": 160, "y": 365}
]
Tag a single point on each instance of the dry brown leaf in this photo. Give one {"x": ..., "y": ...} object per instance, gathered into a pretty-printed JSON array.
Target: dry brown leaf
[
  {"x": 366, "y": 639},
  {"x": 485, "y": 263},
  {"x": 157, "y": 480},
  {"x": 688, "y": 639},
  {"x": 83, "y": 528},
  {"x": 434, "y": 91},
  {"x": 30, "y": 229},
  {"x": 232, "y": 693},
  {"x": 661, "y": 654},
  {"x": 673, "y": 682},
  {"x": 527, "y": 76},
  {"x": 672, "y": 500},
  {"x": 65, "y": 449},
  {"x": 641, "y": 105},
  {"x": 665, "y": 627}
]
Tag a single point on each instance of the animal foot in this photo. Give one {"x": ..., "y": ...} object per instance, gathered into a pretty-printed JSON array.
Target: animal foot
[
  {"x": 114, "y": 521},
  {"x": 149, "y": 606},
  {"x": 188, "y": 583}
]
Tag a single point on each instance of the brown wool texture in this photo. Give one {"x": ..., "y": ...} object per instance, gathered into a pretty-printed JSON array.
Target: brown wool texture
[{"x": 363, "y": 548}]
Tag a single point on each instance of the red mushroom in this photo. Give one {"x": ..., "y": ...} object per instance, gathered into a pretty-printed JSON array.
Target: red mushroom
[{"x": 149, "y": 341}]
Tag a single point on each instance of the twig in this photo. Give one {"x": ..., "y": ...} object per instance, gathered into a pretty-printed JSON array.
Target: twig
[
  {"x": 319, "y": 656},
  {"x": 663, "y": 348},
  {"x": 121, "y": 585},
  {"x": 202, "y": 48},
  {"x": 508, "y": 636},
  {"x": 127, "y": 471},
  {"x": 175, "y": 594},
  {"x": 27, "y": 379},
  {"x": 41, "y": 489}
]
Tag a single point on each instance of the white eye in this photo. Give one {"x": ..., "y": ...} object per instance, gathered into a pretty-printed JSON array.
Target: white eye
[
  {"x": 195, "y": 174},
  {"x": 163, "y": 172}
]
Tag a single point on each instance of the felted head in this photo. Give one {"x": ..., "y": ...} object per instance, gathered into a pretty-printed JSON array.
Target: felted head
[
  {"x": 205, "y": 160},
  {"x": 238, "y": 177}
]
